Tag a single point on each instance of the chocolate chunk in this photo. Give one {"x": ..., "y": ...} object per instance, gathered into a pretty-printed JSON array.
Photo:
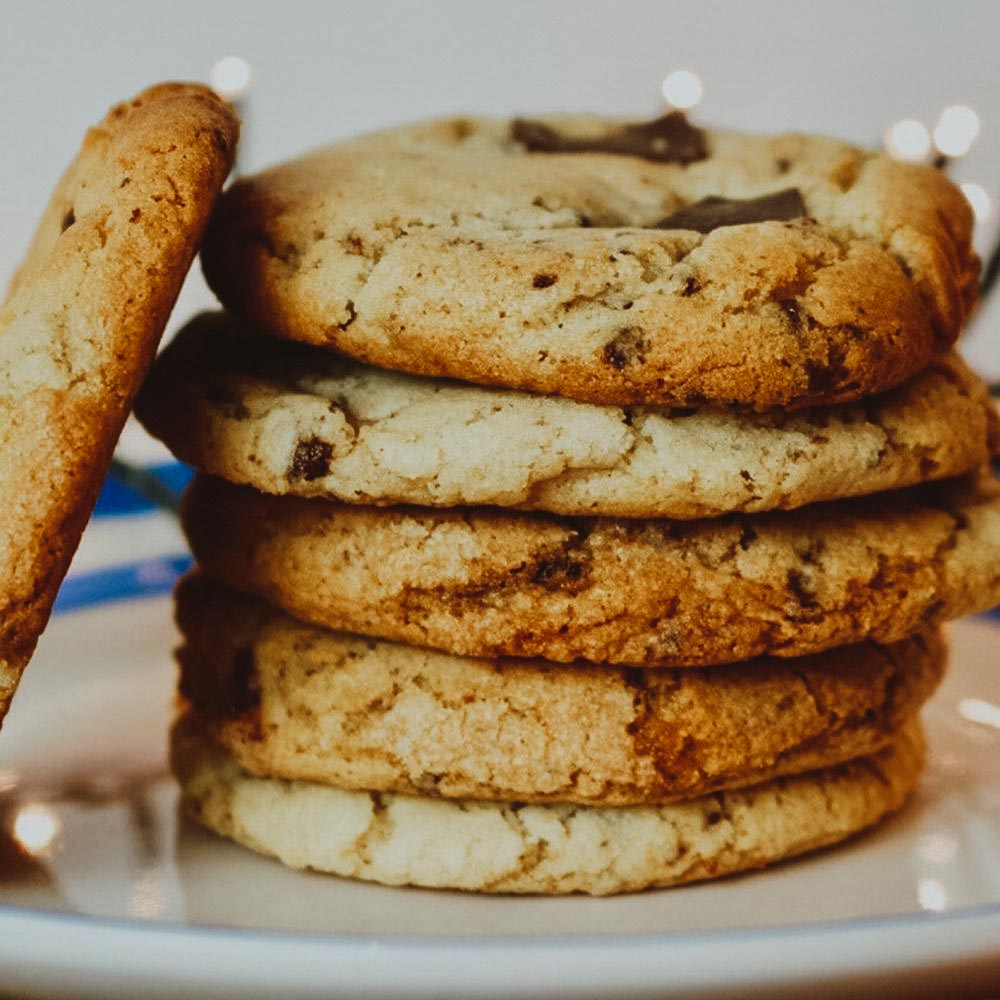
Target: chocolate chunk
[
  {"x": 668, "y": 139},
  {"x": 311, "y": 459},
  {"x": 747, "y": 536},
  {"x": 711, "y": 213},
  {"x": 560, "y": 572},
  {"x": 242, "y": 693},
  {"x": 791, "y": 309},
  {"x": 627, "y": 347},
  {"x": 798, "y": 589}
]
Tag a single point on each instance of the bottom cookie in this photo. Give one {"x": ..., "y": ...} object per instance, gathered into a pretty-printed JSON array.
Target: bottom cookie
[{"x": 551, "y": 849}]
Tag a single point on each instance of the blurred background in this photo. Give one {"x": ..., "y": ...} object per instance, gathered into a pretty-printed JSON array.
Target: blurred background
[{"x": 309, "y": 72}]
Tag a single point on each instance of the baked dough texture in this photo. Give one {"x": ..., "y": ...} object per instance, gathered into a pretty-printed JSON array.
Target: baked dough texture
[
  {"x": 589, "y": 499},
  {"x": 485, "y": 582},
  {"x": 296, "y": 701},
  {"x": 290, "y": 419},
  {"x": 516, "y": 848},
  {"x": 80, "y": 325},
  {"x": 457, "y": 248}
]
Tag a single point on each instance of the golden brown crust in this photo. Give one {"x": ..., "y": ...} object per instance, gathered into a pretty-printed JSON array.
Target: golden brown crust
[
  {"x": 80, "y": 326},
  {"x": 446, "y": 249},
  {"x": 505, "y": 847},
  {"x": 295, "y": 701},
  {"x": 289, "y": 419},
  {"x": 482, "y": 582}
]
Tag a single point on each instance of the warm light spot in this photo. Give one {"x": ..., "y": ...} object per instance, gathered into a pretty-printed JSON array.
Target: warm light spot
[
  {"x": 976, "y": 710},
  {"x": 908, "y": 140},
  {"x": 682, "y": 89},
  {"x": 932, "y": 895},
  {"x": 956, "y": 130},
  {"x": 230, "y": 78},
  {"x": 35, "y": 828},
  {"x": 982, "y": 206}
]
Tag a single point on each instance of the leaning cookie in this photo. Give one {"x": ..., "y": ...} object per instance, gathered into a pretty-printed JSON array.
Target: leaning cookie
[
  {"x": 658, "y": 264},
  {"x": 504, "y": 847},
  {"x": 485, "y": 582},
  {"x": 80, "y": 326},
  {"x": 287, "y": 418},
  {"x": 295, "y": 701}
]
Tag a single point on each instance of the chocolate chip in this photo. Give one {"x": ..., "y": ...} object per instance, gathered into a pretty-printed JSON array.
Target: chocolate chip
[
  {"x": 560, "y": 572},
  {"x": 819, "y": 377},
  {"x": 626, "y": 348},
  {"x": 691, "y": 286},
  {"x": 242, "y": 690},
  {"x": 68, "y": 219},
  {"x": 798, "y": 589},
  {"x": 311, "y": 459},
  {"x": 747, "y": 536},
  {"x": 791, "y": 309},
  {"x": 668, "y": 139},
  {"x": 712, "y": 212},
  {"x": 831, "y": 374},
  {"x": 543, "y": 280}
]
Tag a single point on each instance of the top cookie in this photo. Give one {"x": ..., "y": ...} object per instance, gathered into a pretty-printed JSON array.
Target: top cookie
[
  {"x": 80, "y": 326},
  {"x": 656, "y": 264}
]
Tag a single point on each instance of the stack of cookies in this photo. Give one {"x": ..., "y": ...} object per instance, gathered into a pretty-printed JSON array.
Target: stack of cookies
[{"x": 580, "y": 502}]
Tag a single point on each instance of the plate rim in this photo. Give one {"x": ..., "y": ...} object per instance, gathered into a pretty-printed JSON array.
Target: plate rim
[
  {"x": 58, "y": 950},
  {"x": 923, "y": 946}
]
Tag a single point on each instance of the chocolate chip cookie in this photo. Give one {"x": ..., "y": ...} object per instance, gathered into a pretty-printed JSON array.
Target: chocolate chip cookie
[
  {"x": 657, "y": 265},
  {"x": 287, "y": 418},
  {"x": 80, "y": 325}
]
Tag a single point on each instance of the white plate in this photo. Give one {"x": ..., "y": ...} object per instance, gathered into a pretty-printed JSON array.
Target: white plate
[{"x": 119, "y": 899}]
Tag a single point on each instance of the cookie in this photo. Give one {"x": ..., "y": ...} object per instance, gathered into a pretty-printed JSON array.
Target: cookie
[
  {"x": 295, "y": 701},
  {"x": 485, "y": 582},
  {"x": 80, "y": 325},
  {"x": 516, "y": 848},
  {"x": 659, "y": 265},
  {"x": 290, "y": 419}
]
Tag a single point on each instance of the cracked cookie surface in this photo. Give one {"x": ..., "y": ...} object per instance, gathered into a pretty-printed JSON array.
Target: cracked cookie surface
[
  {"x": 460, "y": 248},
  {"x": 79, "y": 327},
  {"x": 500, "y": 847},
  {"x": 285, "y": 418},
  {"x": 643, "y": 592},
  {"x": 295, "y": 701}
]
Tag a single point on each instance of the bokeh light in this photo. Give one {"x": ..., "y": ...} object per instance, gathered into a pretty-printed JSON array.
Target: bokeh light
[
  {"x": 35, "y": 827},
  {"x": 932, "y": 895},
  {"x": 230, "y": 78},
  {"x": 956, "y": 130},
  {"x": 977, "y": 710},
  {"x": 908, "y": 139},
  {"x": 682, "y": 89}
]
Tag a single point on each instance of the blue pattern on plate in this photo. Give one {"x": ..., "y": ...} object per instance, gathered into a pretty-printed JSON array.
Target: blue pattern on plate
[
  {"x": 120, "y": 583},
  {"x": 118, "y": 498},
  {"x": 142, "y": 578}
]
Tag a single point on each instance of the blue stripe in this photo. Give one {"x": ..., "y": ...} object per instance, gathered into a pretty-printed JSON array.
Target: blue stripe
[
  {"x": 119, "y": 498},
  {"x": 121, "y": 583}
]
